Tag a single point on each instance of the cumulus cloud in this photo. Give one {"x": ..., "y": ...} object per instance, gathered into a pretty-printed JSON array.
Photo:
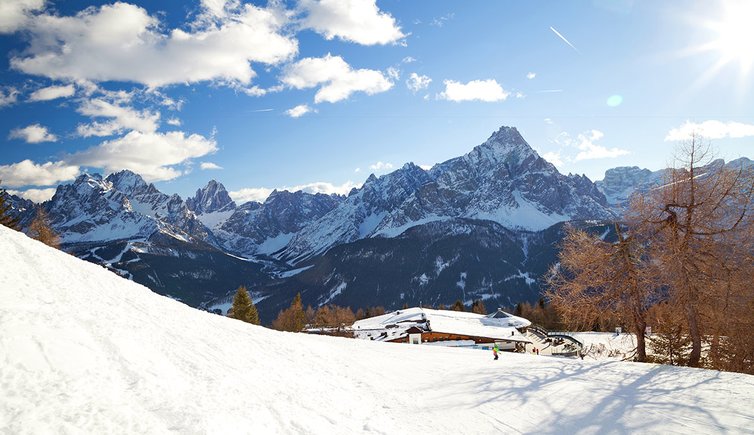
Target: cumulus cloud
[
  {"x": 15, "y": 14},
  {"x": 711, "y": 129},
  {"x": 381, "y": 166},
  {"x": 588, "y": 148},
  {"x": 153, "y": 155},
  {"x": 418, "y": 82},
  {"x": 175, "y": 122},
  {"x": 259, "y": 194},
  {"x": 122, "y": 42},
  {"x": 531, "y": 75},
  {"x": 299, "y": 111},
  {"x": 8, "y": 96},
  {"x": 475, "y": 90},
  {"x": 52, "y": 93},
  {"x": 359, "y": 21},
  {"x": 337, "y": 80},
  {"x": 34, "y": 133},
  {"x": 36, "y": 195},
  {"x": 209, "y": 166},
  {"x": 28, "y": 173},
  {"x": 122, "y": 118}
]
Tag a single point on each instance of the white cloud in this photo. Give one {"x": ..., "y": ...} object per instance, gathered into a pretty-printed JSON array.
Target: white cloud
[
  {"x": 26, "y": 173},
  {"x": 337, "y": 78},
  {"x": 122, "y": 42},
  {"x": 393, "y": 72},
  {"x": 15, "y": 14},
  {"x": 409, "y": 59},
  {"x": 259, "y": 194},
  {"x": 589, "y": 150},
  {"x": 548, "y": 121},
  {"x": 381, "y": 166},
  {"x": 418, "y": 82},
  {"x": 151, "y": 155},
  {"x": 554, "y": 158},
  {"x": 123, "y": 118},
  {"x": 8, "y": 96},
  {"x": 52, "y": 92},
  {"x": 175, "y": 122},
  {"x": 440, "y": 21},
  {"x": 299, "y": 111},
  {"x": 359, "y": 21},
  {"x": 357, "y": 170},
  {"x": 37, "y": 195},
  {"x": 34, "y": 133},
  {"x": 711, "y": 129},
  {"x": 475, "y": 90},
  {"x": 209, "y": 166},
  {"x": 531, "y": 75}
]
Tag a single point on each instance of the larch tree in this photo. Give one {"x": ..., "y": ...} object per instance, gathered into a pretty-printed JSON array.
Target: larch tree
[
  {"x": 698, "y": 224},
  {"x": 596, "y": 279},
  {"x": 293, "y": 318},
  {"x": 243, "y": 307},
  {"x": 41, "y": 230}
]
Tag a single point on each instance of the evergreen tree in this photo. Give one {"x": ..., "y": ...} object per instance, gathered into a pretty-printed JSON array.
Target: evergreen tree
[
  {"x": 41, "y": 230},
  {"x": 5, "y": 218},
  {"x": 243, "y": 307}
]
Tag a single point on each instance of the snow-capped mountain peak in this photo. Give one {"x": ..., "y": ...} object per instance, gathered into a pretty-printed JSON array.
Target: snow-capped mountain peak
[{"x": 210, "y": 199}]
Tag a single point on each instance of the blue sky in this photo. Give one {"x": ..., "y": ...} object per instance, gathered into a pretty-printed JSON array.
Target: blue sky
[{"x": 318, "y": 94}]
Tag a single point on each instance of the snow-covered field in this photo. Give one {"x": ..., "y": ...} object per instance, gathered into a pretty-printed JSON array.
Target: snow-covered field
[{"x": 82, "y": 350}]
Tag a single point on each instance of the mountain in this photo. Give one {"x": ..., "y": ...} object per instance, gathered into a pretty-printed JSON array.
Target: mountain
[
  {"x": 502, "y": 180},
  {"x": 434, "y": 263},
  {"x": 138, "y": 232},
  {"x": 213, "y": 198},
  {"x": 263, "y": 228},
  {"x": 622, "y": 182}
]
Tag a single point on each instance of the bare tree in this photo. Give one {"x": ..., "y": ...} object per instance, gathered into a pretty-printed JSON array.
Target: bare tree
[
  {"x": 41, "y": 230},
  {"x": 698, "y": 224}
]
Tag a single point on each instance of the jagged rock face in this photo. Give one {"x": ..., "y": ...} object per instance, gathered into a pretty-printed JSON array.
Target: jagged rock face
[
  {"x": 121, "y": 206},
  {"x": 620, "y": 183},
  {"x": 359, "y": 215},
  {"x": 19, "y": 208},
  {"x": 211, "y": 199},
  {"x": 502, "y": 180},
  {"x": 256, "y": 228}
]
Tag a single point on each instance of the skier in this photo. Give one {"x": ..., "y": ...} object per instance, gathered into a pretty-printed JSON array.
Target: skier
[{"x": 495, "y": 350}]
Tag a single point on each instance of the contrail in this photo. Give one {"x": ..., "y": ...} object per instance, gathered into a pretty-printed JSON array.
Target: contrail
[{"x": 564, "y": 39}]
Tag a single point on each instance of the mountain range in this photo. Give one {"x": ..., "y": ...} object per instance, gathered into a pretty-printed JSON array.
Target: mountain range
[{"x": 485, "y": 225}]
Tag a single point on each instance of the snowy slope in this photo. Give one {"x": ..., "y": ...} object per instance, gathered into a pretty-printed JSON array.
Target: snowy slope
[{"x": 83, "y": 350}]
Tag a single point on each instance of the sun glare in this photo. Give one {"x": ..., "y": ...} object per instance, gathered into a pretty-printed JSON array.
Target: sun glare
[{"x": 735, "y": 35}]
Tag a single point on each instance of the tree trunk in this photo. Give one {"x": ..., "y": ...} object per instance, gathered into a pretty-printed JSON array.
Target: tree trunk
[
  {"x": 641, "y": 343},
  {"x": 696, "y": 337}
]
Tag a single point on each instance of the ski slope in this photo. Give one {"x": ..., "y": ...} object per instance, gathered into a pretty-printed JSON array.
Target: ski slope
[{"x": 84, "y": 351}]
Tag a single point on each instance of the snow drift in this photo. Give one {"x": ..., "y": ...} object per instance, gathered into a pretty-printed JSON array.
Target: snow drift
[{"x": 82, "y": 350}]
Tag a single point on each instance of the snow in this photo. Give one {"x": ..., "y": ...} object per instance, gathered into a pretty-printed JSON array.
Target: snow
[
  {"x": 293, "y": 272},
  {"x": 85, "y": 351},
  {"x": 214, "y": 219},
  {"x": 272, "y": 244},
  {"x": 526, "y": 216}
]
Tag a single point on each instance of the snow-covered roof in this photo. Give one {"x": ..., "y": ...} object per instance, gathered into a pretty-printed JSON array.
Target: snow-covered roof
[{"x": 394, "y": 325}]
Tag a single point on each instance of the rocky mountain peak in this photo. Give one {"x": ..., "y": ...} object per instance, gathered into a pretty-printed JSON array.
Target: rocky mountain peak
[
  {"x": 127, "y": 182},
  {"x": 211, "y": 198}
]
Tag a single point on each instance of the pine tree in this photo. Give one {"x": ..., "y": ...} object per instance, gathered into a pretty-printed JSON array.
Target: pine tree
[
  {"x": 41, "y": 230},
  {"x": 5, "y": 218},
  {"x": 243, "y": 307}
]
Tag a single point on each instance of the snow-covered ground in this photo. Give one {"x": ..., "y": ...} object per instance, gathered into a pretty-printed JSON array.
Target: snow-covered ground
[{"x": 85, "y": 351}]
